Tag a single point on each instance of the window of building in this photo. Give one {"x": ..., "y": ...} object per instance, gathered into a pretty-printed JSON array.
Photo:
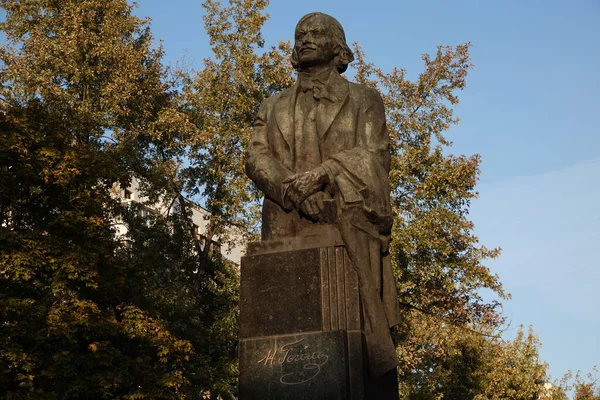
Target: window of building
[{"x": 127, "y": 194}]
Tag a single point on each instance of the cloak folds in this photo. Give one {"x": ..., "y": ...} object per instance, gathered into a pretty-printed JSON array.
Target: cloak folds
[{"x": 361, "y": 189}]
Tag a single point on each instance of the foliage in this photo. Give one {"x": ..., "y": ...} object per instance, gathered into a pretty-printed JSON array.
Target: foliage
[
  {"x": 583, "y": 387},
  {"x": 84, "y": 108},
  {"x": 587, "y": 388},
  {"x": 197, "y": 298},
  {"x": 439, "y": 261},
  {"x": 222, "y": 100},
  {"x": 475, "y": 366}
]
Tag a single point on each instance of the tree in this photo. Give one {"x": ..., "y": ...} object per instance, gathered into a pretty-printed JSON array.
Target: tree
[
  {"x": 476, "y": 366},
  {"x": 195, "y": 297},
  {"x": 583, "y": 387},
  {"x": 83, "y": 107},
  {"x": 587, "y": 389},
  {"x": 87, "y": 106},
  {"x": 222, "y": 100},
  {"x": 514, "y": 370},
  {"x": 439, "y": 261}
]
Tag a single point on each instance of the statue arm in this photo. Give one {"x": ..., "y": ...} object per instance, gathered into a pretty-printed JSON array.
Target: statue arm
[
  {"x": 372, "y": 142},
  {"x": 375, "y": 138},
  {"x": 358, "y": 176},
  {"x": 266, "y": 171}
]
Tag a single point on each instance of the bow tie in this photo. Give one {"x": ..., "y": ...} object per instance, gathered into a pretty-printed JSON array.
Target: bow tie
[{"x": 313, "y": 84}]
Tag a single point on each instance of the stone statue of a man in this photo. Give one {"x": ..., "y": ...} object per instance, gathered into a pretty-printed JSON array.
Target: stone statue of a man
[{"x": 320, "y": 153}]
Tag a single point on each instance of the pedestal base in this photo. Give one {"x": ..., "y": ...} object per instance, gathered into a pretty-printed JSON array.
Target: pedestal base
[
  {"x": 300, "y": 324},
  {"x": 304, "y": 366}
]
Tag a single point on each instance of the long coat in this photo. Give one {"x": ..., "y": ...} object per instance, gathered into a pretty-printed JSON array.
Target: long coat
[{"x": 354, "y": 151}]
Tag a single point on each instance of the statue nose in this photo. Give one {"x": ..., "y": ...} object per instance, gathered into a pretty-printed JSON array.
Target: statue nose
[{"x": 308, "y": 38}]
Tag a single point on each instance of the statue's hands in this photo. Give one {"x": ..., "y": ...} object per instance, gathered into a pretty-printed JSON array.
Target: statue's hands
[
  {"x": 306, "y": 184},
  {"x": 318, "y": 207}
]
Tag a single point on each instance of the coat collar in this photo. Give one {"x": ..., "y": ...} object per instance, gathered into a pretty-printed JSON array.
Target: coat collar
[
  {"x": 334, "y": 88},
  {"x": 333, "y": 96}
]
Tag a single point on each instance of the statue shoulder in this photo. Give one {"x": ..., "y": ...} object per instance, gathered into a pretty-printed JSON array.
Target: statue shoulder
[
  {"x": 364, "y": 91},
  {"x": 367, "y": 96},
  {"x": 270, "y": 101},
  {"x": 268, "y": 104}
]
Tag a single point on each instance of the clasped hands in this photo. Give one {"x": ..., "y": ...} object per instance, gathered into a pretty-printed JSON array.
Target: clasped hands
[{"x": 305, "y": 193}]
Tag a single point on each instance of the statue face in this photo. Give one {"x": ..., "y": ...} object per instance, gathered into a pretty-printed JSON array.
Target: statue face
[{"x": 314, "y": 42}]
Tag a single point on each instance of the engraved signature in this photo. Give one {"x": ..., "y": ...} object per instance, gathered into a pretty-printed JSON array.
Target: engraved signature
[{"x": 295, "y": 353}]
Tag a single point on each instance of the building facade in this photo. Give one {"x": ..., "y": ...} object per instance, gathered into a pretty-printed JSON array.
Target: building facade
[{"x": 200, "y": 219}]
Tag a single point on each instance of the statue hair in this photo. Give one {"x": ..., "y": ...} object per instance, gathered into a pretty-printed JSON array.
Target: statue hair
[{"x": 345, "y": 55}]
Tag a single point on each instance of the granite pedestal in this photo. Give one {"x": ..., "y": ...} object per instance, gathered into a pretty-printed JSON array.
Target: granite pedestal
[{"x": 300, "y": 322}]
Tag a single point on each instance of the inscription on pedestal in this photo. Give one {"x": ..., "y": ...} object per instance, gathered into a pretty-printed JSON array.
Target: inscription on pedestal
[
  {"x": 306, "y": 363},
  {"x": 300, "y": 325},
  {"x": 305, "y": 366}
]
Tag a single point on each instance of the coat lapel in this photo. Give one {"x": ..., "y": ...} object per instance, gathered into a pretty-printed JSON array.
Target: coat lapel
[
  {"x": 284, "y": 115},
  {"x": 333, "y": 99}
]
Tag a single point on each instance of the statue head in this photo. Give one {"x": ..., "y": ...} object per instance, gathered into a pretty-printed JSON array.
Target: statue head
[{"x": 320, "y": 39}]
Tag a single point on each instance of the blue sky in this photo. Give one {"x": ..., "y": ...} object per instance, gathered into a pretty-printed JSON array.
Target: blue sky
[{"x": 530, "y": 109}]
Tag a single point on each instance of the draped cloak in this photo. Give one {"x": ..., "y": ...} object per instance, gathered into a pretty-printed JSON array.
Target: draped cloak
[{"x": 345, "y": 133}]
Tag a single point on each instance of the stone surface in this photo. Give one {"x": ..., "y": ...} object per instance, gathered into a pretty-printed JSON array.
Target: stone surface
[
  {"x": 324, "y": 236},
  {"x": 281, "y": 293},
  {"x": 308, "y": 289},
  {"x": 325, "y": 300},
  {"x": 303, "y": 366}
]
